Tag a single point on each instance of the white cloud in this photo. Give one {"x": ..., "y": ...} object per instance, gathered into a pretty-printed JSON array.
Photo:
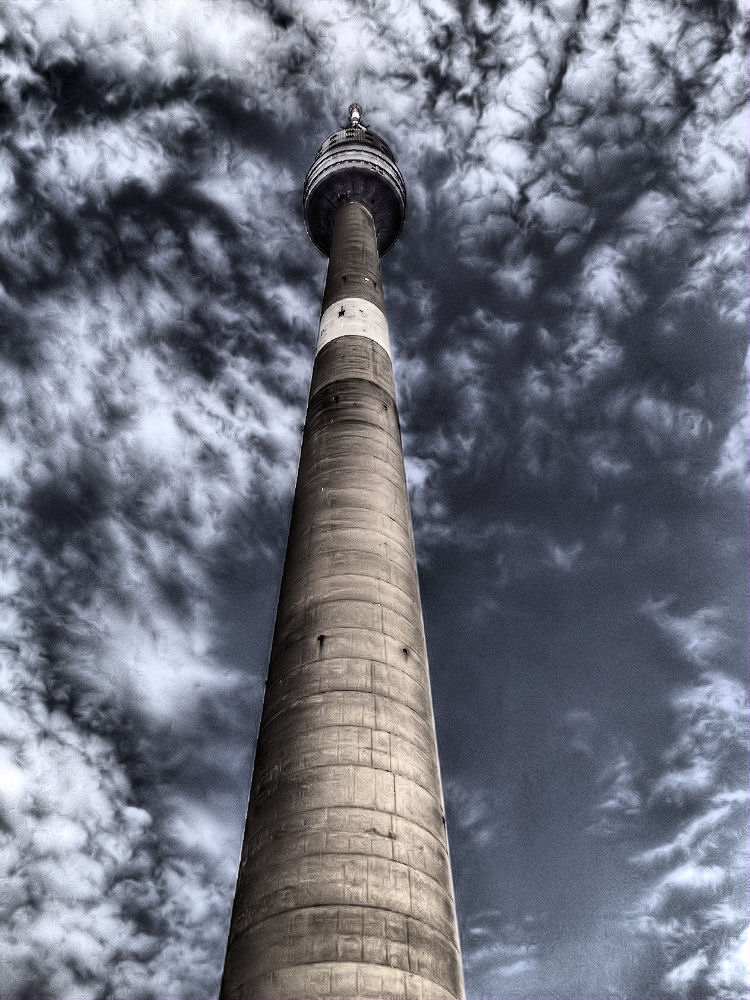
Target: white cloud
[
  {"x": 608, "y": 465},
  {"x": 683, "y": 976},
  {"x": 496, "y": 944},
  {"x": 474, "y": 812},
  {"x": 583, "y": 729},
  {"x": 730, "y": 975},
  {"x": 665, "y": 425},
  {"x": 608, "y": 285},
  {"x": 733, "y": 465},
  {"x": 620, "y": 802},
  {"x": 564, "y": 557},
  {"x": 85, "y": 886},
  {"x": 698, "y": 636},
  {"x": 690, "y": 781},
  {"x": 694, "y": 909}
]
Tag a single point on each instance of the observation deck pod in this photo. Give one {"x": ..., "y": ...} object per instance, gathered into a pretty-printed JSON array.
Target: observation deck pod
[{"x": 354, "y": 165}]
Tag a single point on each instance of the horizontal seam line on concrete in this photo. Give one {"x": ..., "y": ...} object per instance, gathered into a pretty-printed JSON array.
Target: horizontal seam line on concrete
[
  {"x": 381, "y": 812},
  {"x": 334, "y": 301},
  {"x": 446, "y": 992},
  {"x": 358, "y": 854},
  {"x": 349, "y": 628},
  {"x": 348, "y": 439},
  {"x": 331, "y": 631},
  {"x": 361, "y": 552},
  {"x": 358, "y": 690},
  {"x": 356, "y": 420},
  {"x": 336, "y": 462},
  {"x": 350, "y": 854},
  {"x": 365, "y": 657},
  {"x": 312, "y": 606},
  {"x": 326, "y": 516},
  {"x": 358, "y": 506},
  {"x": 355, "y": 320},
  {"x": 318, "y": 516},
  {"x": 377, "y": 965},
  {"x": 336, "y": 690},
  {"x": 354, "y": 906},
  {"x": 345, "y": 725},
  {"x": 372, "y": 767},
  {"x": 347, "y": 422},
  {"x": 369, "y": 659},
  {"x": 387, "y": 437},
  {"x": 354, "y": 506},
  {"x": 355, "y": 600},
  {"x": 353, "y": 656},
  {"x": 358, "y": 550},
  {"x": 378, "y": 813},
  {"x": 352, "y": 378},
  {"x": 357, "y": 410},
  {"x": 314, "y": 478},
  {"x": 358, "y": 576}
]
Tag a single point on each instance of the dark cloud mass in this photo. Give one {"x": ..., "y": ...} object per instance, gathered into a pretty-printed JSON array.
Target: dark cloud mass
[{"x": 568, "y": 306}]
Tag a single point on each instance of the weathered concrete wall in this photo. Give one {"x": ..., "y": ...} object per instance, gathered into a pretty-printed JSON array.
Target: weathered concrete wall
[{"x": 344, "y": 887}]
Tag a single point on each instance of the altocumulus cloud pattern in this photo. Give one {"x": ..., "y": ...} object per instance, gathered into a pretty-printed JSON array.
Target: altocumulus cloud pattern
[{"x": 568, "y": 310}]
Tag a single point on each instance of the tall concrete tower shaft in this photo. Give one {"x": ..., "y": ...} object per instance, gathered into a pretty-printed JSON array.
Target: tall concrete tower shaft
[{"x": 344, "y": 887}]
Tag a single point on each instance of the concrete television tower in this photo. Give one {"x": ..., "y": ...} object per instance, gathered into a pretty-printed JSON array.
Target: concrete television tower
[{"x": 344, "y": 887}]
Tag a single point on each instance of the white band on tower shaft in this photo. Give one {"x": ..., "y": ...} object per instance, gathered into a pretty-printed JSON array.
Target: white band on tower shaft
[{"x": 353, "y": 317}]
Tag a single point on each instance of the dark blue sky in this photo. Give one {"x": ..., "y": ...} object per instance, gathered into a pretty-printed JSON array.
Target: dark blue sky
[{"x": 568, "y": 312}]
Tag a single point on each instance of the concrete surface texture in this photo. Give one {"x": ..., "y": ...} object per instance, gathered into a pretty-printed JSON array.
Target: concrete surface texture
[{"x": 344, "y": 887}]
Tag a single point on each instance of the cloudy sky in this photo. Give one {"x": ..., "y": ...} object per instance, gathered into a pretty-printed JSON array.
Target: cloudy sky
[{"x": 568, "y": 311}]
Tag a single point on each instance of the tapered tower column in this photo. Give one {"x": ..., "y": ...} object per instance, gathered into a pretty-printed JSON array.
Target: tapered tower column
[{"x": 344, "y": 888}]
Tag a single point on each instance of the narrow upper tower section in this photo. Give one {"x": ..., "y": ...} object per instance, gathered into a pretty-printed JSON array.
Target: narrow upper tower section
[{"x": 354, "y": 165}]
